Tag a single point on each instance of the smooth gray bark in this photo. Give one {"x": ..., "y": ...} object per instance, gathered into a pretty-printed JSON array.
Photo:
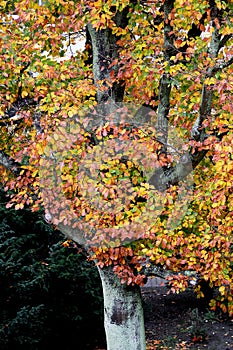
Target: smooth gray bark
[{"x": 123, "y": 313}]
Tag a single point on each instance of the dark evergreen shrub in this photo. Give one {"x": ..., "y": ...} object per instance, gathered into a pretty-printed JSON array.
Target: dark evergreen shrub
[{"x": 50, "y": 296}]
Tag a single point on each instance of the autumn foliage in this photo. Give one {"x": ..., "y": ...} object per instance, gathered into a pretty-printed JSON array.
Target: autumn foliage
[{"x": 174, "y": 58}]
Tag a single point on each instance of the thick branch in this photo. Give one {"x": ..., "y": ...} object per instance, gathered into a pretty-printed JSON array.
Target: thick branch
[
  {"x": 165, "y": 81},
  {"x": 162, "y": 179},
  {"x": 163, "y": 109},
  {"x": 224, "y": 40},
  {"x": 72, "y": 233},
  {"x": 105, "y": 51},
  {"x": 198, "y": 132},
  {"x": 168, "y": 35}
]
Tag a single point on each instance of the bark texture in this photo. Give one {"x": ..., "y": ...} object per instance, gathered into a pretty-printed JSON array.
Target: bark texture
[{"x": 123, "y": 313}]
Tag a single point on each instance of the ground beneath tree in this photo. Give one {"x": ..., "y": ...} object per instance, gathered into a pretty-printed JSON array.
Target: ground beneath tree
[{"x": 180, "y": 322}]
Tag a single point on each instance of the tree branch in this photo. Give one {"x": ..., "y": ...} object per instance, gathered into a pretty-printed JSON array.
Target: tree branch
[
  {"x": 223, "y": 65},
  {"x": 165, "y": 81},
  {"x": 105, "y": 51},
  {"x": 17, "y": 105},
  {"x": 225, "y": 39},
  {"x": 9, "y": 163},
  {"x": 164, "y": 178},
  {"x": 73, "y": 233},
  {"x": 12, "y": 114},
  {"x": 198, "y": 132}
]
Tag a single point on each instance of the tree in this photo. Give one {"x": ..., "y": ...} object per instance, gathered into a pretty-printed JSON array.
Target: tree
[{"x": 173, "y": 59}]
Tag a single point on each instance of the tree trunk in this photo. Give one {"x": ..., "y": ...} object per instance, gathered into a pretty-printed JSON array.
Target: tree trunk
[{"x": 123, "y": 313}]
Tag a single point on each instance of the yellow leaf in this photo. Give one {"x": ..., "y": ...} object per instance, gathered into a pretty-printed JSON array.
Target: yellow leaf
[
  {"x": 27, "y": 167},
  {"x": 222, "y": 290},
  {"x": 34, "y": 173},
  {"x": 210, "y": 81},
  {"x": 19, "y": 206},
  {"x": 24, "y": 93}
]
